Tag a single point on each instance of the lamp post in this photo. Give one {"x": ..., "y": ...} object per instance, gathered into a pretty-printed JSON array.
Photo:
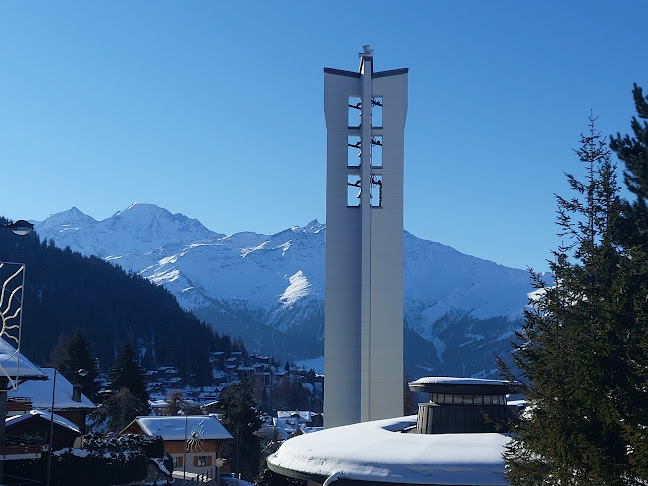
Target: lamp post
[
  {"x": 219, "y": 462},
  {"x": 184, "y": 455},
  {"x": 82, "y": 372},
  {"x": 21, "y": 228}
]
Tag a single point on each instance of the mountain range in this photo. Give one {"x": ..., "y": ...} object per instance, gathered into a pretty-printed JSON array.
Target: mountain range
[{"x": 269, "y": 289}]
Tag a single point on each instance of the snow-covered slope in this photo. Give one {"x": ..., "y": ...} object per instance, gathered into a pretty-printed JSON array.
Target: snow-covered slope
[{"x": 270, "y": 288}]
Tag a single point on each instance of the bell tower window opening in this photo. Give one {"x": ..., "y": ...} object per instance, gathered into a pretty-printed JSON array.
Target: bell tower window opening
[
  {"x": 354, "y": 151},
  {"x": 376, "y": 190},
  {"x": 377, "y": 111},
  {"x": 353, "y": 190},
  {"x": 376, "y": 151},
  {"x": 355, "y": 110}
]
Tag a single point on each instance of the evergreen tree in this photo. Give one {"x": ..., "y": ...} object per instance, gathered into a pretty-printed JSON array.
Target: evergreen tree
[
  {"x": 241, "y": 420},
  {"x": 633, "y": 151},
  {"x": 78, "y": 356},
  {"x": 267, "y": 477},
  {"x": 572, "y": 346},
  {"x": 129, "y": 397},
  {"x": 57, "y": 353},
  {"x": 178, "y": 405},
  {"x": 128, "y": 374},
  {"x": 410, "y": 402}
]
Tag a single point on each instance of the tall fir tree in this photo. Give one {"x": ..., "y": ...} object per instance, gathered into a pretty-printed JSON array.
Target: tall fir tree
[
  {"x": 77, "y": 356},
  {"x": 129, "y": 397},
  {"x": 572, "y": 348},
  {"x": 241, "y": 420},
  {"x": 633, "y": 152}
]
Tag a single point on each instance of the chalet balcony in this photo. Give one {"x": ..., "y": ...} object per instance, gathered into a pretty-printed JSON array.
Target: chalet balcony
[
  {"x": 18, "y": 404},
  {"x": 20, "y": 451}
]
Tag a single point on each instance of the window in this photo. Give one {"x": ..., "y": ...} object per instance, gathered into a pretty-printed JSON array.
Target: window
[
  {"x": 201, "y": 461},
  {"x": 354, "y": 151},
  {"x": 355, "y": 110},
  {"x": 353, "y": 190},
  {"x": 177, "y": 461},
  {"x": 376, "y": 190},
  {"x": 377, "y": 111},
  {"x": 376, "y": 151}
]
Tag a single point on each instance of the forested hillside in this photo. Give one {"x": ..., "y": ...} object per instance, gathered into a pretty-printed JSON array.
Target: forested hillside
[{"x": 65, "y": 291}]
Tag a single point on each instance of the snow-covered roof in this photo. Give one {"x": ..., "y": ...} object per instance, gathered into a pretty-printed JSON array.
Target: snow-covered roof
[
  {"x": 457, "y": 381},
  {"x": 15, "y": 366},
  {"x": 270, "y": 432},
  {"x": 210, "y": 404},
  {"x": 303, "y": 415},
  {"x": 179, "y": 427},
  {"x": 63, "y": 422},
  {"x": 40, "y": 393},
  {"x": 376, "y": 451}
]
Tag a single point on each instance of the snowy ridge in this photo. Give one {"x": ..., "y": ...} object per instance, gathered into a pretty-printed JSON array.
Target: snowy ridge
[{"x": 273, "y": 285}]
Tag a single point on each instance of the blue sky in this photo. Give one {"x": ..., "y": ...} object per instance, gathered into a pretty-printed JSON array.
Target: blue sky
[{"x": 215, "y": 109}]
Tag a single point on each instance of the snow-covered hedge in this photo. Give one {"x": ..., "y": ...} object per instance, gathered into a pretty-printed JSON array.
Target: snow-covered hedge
[{"x": 104, "y": 461}]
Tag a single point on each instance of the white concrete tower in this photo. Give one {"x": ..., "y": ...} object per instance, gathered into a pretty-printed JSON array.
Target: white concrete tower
[{"x": 363, "y": 347}]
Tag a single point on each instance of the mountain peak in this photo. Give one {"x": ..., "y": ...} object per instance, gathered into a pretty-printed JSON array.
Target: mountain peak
[
  {"x": 312, "y": 227},
  {"x": 71, "y": 216},
  {"x": 142, "y": 209}
]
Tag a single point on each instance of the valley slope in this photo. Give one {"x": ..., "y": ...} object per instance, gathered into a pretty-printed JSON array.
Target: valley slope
[{"x": 269, "y": 289}]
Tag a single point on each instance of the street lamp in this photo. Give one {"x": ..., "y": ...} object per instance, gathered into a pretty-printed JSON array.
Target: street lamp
[
  {"x": 20, "y": 227},
  {"x": 82, "y": 372},
  {"x": 219, "y": 462}
]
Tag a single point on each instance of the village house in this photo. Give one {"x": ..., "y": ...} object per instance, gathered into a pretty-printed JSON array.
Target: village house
[
  {"x": 194, "y": 442},
  {"x": 69, "y": 402}
]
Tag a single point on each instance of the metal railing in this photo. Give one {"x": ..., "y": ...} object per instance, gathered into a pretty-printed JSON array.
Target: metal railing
[
  {"x": 19, "y": 404},
  {"x": 9, "y": 450}
]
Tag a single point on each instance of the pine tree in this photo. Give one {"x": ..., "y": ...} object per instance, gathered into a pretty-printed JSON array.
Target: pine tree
[
  {"x": 633, "y": 151},
  {"x": 78, "y": 356},
  {"x": 129, "y": 397},
  {"x": 267, "y": 477},
  {"x": 128, "y": 374},
  {"x": 572, "y": 346},
  {"x": 241, "y": 420}
]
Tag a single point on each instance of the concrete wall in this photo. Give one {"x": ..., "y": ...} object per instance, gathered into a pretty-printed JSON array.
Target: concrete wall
[{"x": 364, "y": 253}]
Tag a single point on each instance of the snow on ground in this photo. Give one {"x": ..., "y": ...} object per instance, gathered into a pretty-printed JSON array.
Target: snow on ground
[
  {"x": 317, "y": 364},
  {"x": 299, "y": 287},
  {"x": 376, "y": 451}
]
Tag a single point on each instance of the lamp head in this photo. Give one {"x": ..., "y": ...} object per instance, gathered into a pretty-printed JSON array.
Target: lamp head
[{"x": 21, "y": 227}]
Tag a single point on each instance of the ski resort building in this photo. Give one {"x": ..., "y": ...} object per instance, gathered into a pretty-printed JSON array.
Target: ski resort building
[{"x": 363, "y": 350}]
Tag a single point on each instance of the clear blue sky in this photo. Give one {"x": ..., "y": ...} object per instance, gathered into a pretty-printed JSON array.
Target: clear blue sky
[{"x": 215, "y": 109}]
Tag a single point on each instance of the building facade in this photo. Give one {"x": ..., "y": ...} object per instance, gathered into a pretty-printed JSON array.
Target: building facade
[
  {"x": 194, "y": 442},
  {"x": 365, "y": 120}
]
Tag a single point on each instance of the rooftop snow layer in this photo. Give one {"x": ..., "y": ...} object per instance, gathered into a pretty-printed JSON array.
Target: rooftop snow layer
[
  {"x": 179, "y": 428},
  {"x": 63, "y": 422},
  {"x": 377, "y": 451},
  {"x": 40, "y": 393},
  {"x": 449, "y": 380},
  {"x": 15, "y": 366}
]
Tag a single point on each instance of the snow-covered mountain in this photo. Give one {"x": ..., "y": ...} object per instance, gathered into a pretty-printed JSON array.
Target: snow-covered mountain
[{"x": 269, "y": 289}]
